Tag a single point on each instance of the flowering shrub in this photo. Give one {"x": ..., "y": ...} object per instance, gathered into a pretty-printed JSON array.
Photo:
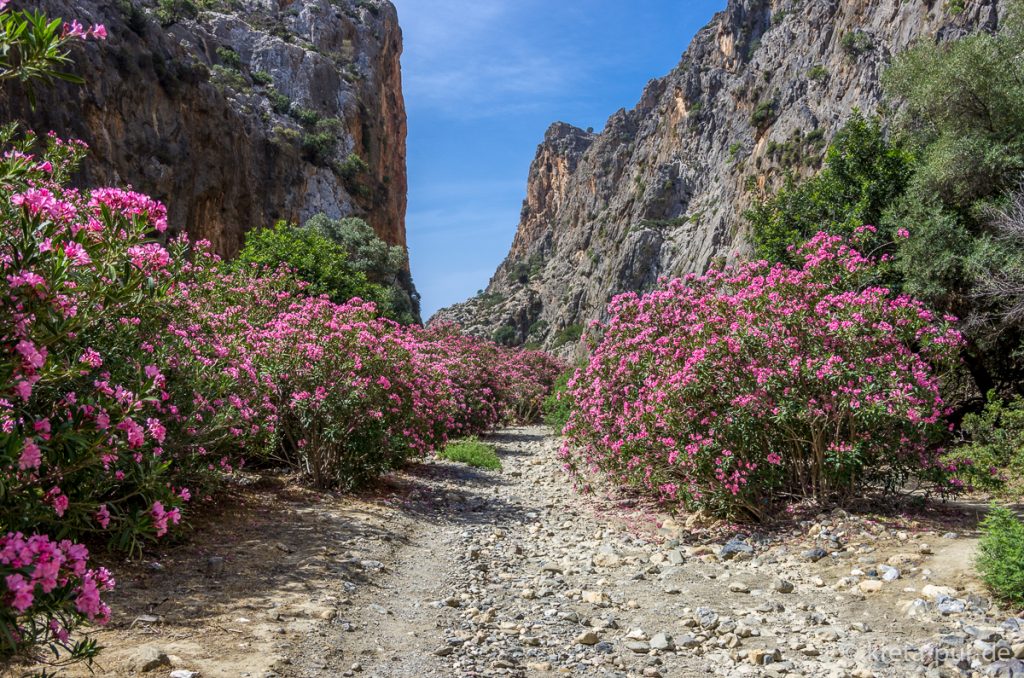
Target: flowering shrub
[
  {"x": 733, "y": 390},
  {"x": 134, "y": 372},
  {"x": 50, "y": 591}
]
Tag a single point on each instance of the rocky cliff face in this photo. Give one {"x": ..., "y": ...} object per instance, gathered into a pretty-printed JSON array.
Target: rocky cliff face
[
  {"x": 239, "y": 112},
  {"x": 662, "y": 189}
]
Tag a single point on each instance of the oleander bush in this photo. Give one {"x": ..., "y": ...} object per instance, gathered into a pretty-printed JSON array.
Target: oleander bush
[
  {"x": 137, "y": 371},
  {"x": 737, "y": 390}
]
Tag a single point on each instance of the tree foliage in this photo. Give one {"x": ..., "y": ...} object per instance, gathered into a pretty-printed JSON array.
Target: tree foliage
[
  {"x": 941, "y": 188},
  {"x": 863, "y": 173}
]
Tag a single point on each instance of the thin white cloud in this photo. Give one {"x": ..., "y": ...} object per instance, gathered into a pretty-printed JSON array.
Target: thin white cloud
[{"x": 467, "y": 59}]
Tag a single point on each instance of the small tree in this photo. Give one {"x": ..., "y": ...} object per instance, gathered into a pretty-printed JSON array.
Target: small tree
[
  {"x": 863, "y": 173},
  {"x": 319, "y": 261}
]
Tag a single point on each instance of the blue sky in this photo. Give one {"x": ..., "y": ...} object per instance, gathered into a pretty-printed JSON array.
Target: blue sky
[{"x": 483, "y": 80}]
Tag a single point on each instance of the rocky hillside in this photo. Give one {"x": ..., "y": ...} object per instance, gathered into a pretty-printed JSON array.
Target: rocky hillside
[
  {"x": 239, "y": 112},
  {"x": 662, "y": 189}
]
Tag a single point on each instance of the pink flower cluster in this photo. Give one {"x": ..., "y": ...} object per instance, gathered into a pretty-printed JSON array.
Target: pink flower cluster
[
  {"x": 41, "y": 577},
  {"x": 730, "y": 390}
]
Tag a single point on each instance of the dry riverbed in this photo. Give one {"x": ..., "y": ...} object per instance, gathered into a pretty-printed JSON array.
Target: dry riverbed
[{"x": 449, "y": 571}]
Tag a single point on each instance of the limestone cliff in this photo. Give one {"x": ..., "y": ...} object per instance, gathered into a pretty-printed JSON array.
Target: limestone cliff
[
  {"x": 239, "y": 112},
  {"x": 661, "y": 190}
]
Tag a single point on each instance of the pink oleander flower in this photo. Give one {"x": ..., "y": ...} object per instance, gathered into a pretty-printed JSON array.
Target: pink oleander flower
[
  {"x": 31, "y": 456},
  {"x": 103, "y": 516}
]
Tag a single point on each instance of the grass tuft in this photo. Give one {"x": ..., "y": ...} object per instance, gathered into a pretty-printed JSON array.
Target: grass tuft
[{"x": 472, "y": 452}]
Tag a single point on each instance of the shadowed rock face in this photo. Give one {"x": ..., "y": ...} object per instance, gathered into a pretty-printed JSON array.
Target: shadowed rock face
[
  {"x": 662, "y": 189},
  {"x": 169, "y": 110}
]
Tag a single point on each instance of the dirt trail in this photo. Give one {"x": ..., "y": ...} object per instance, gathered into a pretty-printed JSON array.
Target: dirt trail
[{"x": 450, "y": 571}]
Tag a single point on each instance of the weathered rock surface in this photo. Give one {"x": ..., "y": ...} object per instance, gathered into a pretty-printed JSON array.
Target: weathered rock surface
[
  {"x": 661, "y": 190},
  {"x": 216, "y": 114}
]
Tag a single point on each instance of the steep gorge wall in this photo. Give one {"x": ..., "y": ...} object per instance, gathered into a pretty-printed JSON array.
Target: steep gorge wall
[
  {"x": 230, "y": 142},
  {"x": 662, "y": 189}
]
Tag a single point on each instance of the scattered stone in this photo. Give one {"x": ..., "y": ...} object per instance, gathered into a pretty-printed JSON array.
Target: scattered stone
[
  {"x": 889, "y": 573},
  {"x": 662, "y": 641},
  {"x": 587, "y": 638},
  {"x": 948, "y": 606},
  {"x": 782, "y": 586},
  {"x": 917, "y": 608},
  {"x": 870, "y": 586},
  {"x": 149, "y": 658},
  {"x": 733, "y": 548},
  {"x": 936, "y": 592},
  {"x": 815, "y": 554}
]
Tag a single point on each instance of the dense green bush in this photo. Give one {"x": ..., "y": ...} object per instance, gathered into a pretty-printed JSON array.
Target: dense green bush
[
  {"x": 1001, "y": 555},
  {"x": 506, "y": 335},
  {"x": 558, "y": 404},
  {"x": 862, "y": 175},
  {"x": 172, "y": 11},
  {"x": 229, "y": 57},
  {"x": 994, "y": 440},
  {"x": 383, "y": 264},
  {"x": 279, "y": 102},
  {"x": 569, "y": 334},
  {"x": 856, "y": 43},
  {"x": 763, "y": 115},
  {"x": 262, "y": 78},
  {"x": 316, "y": 259}
]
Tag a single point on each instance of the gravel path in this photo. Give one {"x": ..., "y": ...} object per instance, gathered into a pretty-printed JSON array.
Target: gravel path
[
  {"x": 451, "y": 571},
  {"x": 516, "y": 574}
]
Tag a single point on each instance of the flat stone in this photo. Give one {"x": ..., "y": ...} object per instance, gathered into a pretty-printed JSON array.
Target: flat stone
[
  {"x": 782, "y": 586},
  {"x": 936, "y": 592},
  {"x": 662, "y": 641},
  {"x": 871, "y": 586},
  {"x": 149, "y": 658},
  {"x": 675, "y": 557},
  {"x": 948, "y": 606},
  {"x": 638, "y": 646},
  {"x": 733, "y": 548}
]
